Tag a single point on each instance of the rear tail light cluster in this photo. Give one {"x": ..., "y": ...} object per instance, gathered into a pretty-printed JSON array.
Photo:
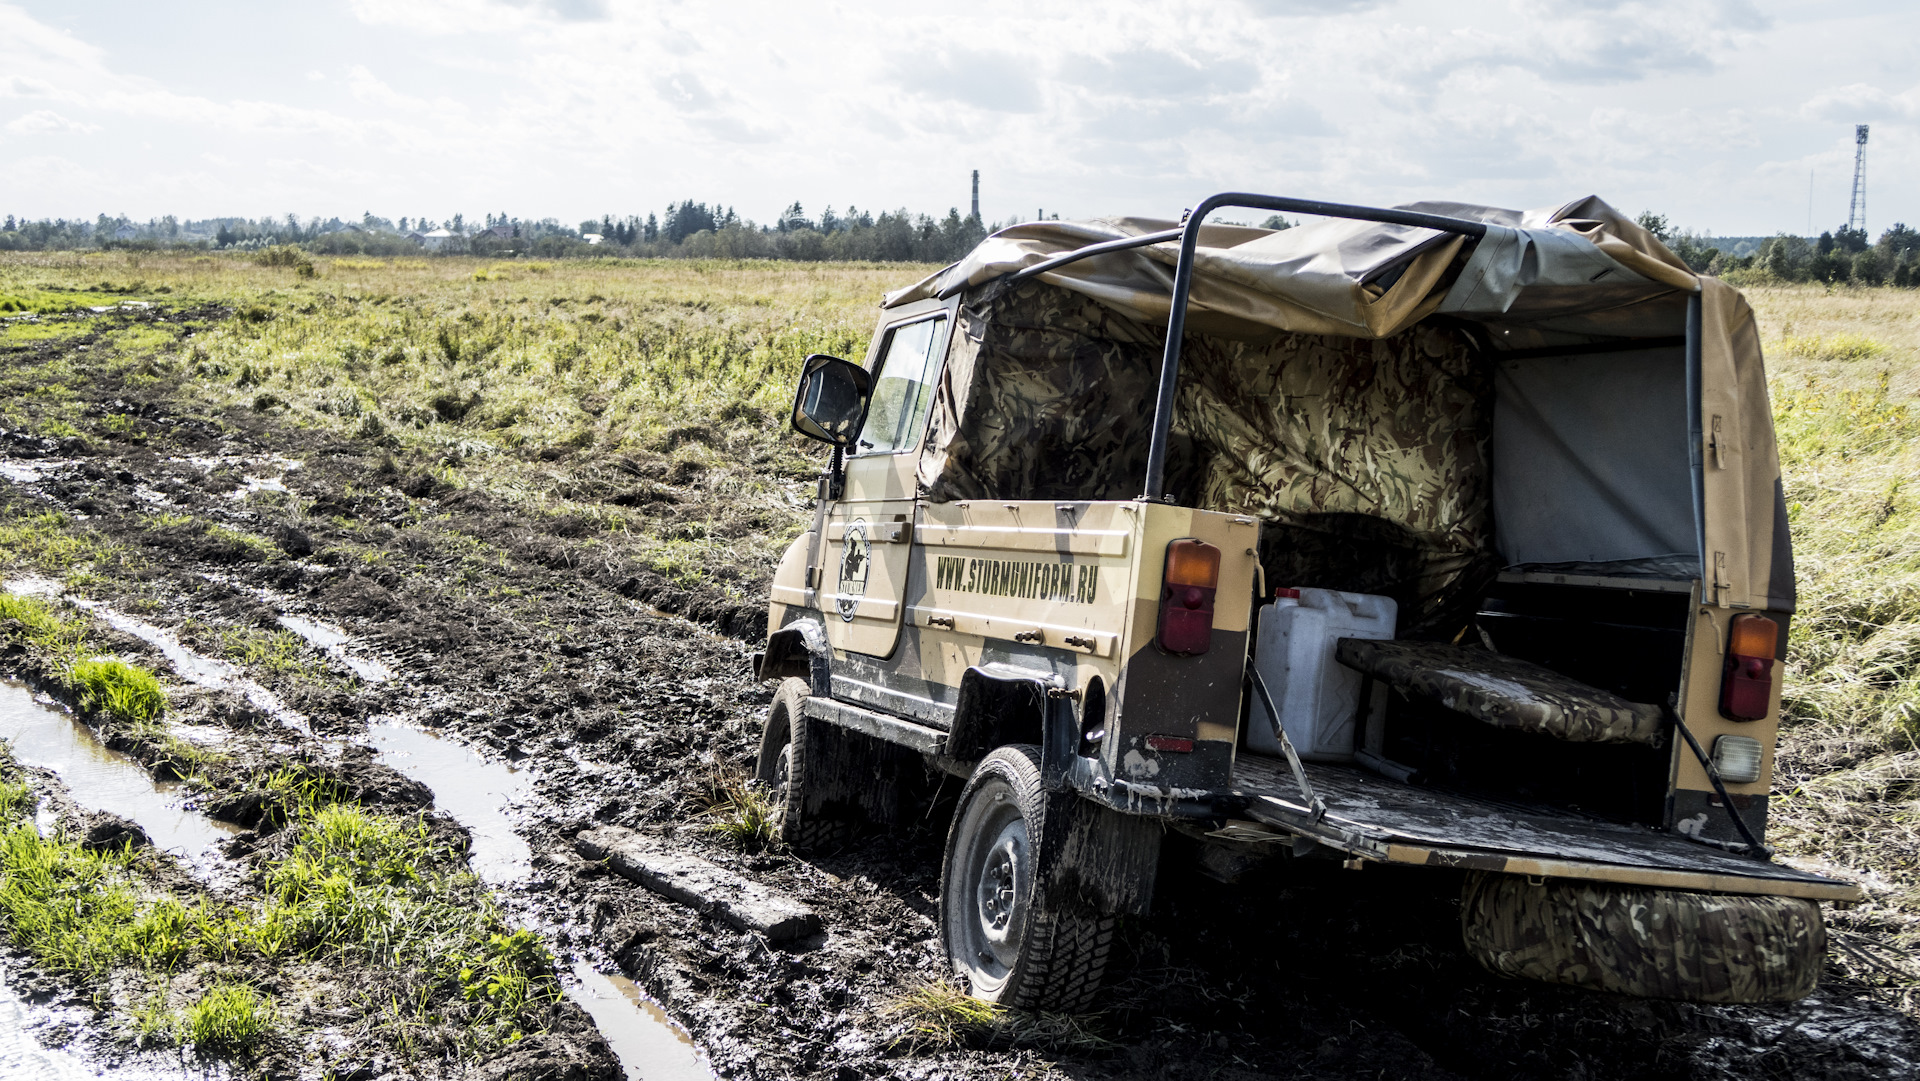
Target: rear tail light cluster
[
  {"x": 1186, "y": 596},
  {"x": 1746, "y": 690}
]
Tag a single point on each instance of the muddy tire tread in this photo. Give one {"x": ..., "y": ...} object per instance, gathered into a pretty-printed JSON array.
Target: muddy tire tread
[
  {"x": 1067, "y": 949},
  {"x": 787, "y": 722}
]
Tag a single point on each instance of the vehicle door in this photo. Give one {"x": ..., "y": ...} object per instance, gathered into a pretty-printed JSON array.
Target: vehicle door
[{"x": 870, "y": 529}]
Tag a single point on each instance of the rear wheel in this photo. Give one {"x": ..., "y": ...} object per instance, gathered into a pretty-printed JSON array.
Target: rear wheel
[
  {"x": 786, "y": 766},
  {"x": 1013, "y": 938}
]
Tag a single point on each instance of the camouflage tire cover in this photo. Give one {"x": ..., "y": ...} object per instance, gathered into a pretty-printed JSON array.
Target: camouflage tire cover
[
  {"x": 1698, "y": 947},
  {"x": 1505, "y": 692}
]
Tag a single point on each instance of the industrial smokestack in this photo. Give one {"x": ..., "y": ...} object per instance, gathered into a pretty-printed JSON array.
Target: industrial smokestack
[{"x": 976, "y": 195}]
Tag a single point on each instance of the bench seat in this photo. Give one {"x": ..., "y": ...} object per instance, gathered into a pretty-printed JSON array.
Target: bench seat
[{"x": 1505, "y": 692}]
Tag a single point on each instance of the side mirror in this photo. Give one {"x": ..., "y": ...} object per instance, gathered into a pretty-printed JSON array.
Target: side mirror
[{"x": 831, "y": 403}]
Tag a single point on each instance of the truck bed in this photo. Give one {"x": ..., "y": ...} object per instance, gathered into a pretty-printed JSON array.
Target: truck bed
[{"x": 1374, "y": 818}]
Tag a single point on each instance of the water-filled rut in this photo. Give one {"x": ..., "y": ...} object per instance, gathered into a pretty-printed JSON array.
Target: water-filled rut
[
  {"x": 475, "y": 792},
  {"x": 478, "y": 794}
]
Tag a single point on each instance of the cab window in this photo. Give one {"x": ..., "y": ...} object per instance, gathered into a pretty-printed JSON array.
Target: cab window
[{"x": 903, "y": 389}]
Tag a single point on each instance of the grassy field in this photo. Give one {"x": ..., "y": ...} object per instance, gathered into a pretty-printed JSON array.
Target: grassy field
[
  {"x": 610, "y": 389},
  {"x": 638, "y": 408},
  {"x": 1845, "y": 373}
]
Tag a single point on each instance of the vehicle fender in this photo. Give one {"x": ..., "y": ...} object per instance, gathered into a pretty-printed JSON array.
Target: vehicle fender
[
  {"x": 799, "y": 649},
  {"x": 1002, "y": 704}
]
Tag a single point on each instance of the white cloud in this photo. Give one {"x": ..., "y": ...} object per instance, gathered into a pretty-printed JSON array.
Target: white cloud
[
  {"x": 43, "y": 121},
  {"x": 1857, "y": 102},
  {"x": 1704, "y": 109}
]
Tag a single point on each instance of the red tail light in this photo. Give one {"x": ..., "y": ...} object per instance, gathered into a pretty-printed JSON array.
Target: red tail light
[
  {"x": 1746, "y": 690},
  {"x": 1186, "y": 596}
]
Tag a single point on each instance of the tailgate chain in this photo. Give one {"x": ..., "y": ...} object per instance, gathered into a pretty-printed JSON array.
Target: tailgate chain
[{"x": 1317, "y": 809}]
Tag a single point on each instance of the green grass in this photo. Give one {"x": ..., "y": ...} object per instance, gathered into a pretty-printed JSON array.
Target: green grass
[
  {"x": 49, "y": 541},
  {"x": 120, "y": 690},
  {"x": 741, "y": 810},
  {"x": 231, "y": 1018},
  {"x": 559, "y": 387},
  {"x": 1846, "y": 380},
  {"x": 278, "y": 652},
  {"x": 33, "y": 623},
  {"x": 356, "y": 891},
  {"x": 1834, "y": 347}
]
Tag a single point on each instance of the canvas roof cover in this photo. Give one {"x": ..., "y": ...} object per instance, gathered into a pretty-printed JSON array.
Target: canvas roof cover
[{"x": 1572, "y": 275}]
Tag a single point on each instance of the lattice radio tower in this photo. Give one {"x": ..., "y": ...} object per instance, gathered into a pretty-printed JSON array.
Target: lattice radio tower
[{"x": 1857, "y": 211}]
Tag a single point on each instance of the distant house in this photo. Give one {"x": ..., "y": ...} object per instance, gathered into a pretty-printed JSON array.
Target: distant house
[
  {"x": 125, "y": 232},
  {"x": 436, "y": 240},
  {"x": 502, "y": 231},
  {"x": 592, "y": 238}
]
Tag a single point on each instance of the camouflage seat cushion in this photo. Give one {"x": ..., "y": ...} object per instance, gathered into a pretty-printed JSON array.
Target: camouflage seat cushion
[{"x": 1505, "y": 692}]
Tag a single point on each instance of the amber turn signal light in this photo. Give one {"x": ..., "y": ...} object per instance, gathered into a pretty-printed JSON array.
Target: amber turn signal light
[
  {"x": 1746, "y": 688},
  {"x": 1186, "y": 596}
]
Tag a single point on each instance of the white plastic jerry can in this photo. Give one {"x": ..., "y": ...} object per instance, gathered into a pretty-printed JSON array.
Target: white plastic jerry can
[{"x": 1317, "y": 695}]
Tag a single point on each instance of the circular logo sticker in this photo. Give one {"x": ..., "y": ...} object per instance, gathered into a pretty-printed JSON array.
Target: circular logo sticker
[{"x": 856, "y": 557}]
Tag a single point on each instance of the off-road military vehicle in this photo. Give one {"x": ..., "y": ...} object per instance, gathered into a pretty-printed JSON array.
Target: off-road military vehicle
[{"x": 1525, "y": 460}]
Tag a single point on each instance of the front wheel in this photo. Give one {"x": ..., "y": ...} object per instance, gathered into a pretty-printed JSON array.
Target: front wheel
[
  {"x": 788, "y": 765},
  {"x": 1015, "y": 940}
]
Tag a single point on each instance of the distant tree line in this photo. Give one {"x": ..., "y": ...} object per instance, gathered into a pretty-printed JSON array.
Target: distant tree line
[
  {"x": 1841, "y": 256},
  {"x": 687, "y": 229},
  {"x": 696, "y": 230}
]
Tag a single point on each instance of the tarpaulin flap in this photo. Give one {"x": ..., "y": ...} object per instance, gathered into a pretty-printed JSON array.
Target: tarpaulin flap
[
  {"x": 1333, "y": 276},
  {"x": 1590, "y": 460}
]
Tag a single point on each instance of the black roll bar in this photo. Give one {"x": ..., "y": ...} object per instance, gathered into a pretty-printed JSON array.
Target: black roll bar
[
  {"x": 1183, "y": 286},
  {"x": 1077, "y": 254}
]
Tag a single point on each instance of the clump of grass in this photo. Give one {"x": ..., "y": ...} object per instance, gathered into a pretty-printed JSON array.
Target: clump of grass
[
  {"x": 1833, "y": 347},
  {"x": 231, "y": 1018},
  {"x": 380, "y": 890},
  {"x": 16, "y": 798},
  {"x": 49, "y": 541},
  {"x": 741, "y": 810},
  {"x": 70, "y": 908},
  {"x": 32, "y": 622},
  {"x": 939, "y": 1016},
  {"x": 280, "y": 652},
  {"x": 120, "y": 690}
]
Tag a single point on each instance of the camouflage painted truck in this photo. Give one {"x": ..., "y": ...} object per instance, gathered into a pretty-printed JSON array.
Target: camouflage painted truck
[{"x": 1085, "y": 469}]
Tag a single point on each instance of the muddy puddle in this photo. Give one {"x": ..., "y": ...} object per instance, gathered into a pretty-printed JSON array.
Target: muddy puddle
[
  {"x": 22, "y": 1058},
  {"x": 649, "y": 1044},
  {"x": 197, "y": 668},
  {"x": 337, "y": 644},
  {"x": 478, "y": 794},
  {"x": 44, "y": 735}
]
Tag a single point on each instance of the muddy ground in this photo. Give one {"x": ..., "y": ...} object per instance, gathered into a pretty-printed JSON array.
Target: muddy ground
[{"x": 530, "y": 637}]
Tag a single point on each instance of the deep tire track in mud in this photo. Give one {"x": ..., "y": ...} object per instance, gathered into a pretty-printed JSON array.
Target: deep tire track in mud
[{"x": 531, "y": 637}]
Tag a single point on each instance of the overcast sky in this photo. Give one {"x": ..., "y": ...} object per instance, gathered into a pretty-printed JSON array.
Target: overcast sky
[{"x": 1715, "y": 112}]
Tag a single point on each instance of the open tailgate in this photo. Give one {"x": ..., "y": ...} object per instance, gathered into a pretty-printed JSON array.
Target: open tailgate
[{"x": 1375, "y": 818}]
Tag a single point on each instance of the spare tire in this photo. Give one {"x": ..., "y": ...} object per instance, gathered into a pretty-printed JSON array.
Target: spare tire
[{"x": 1674, "y": 944}]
